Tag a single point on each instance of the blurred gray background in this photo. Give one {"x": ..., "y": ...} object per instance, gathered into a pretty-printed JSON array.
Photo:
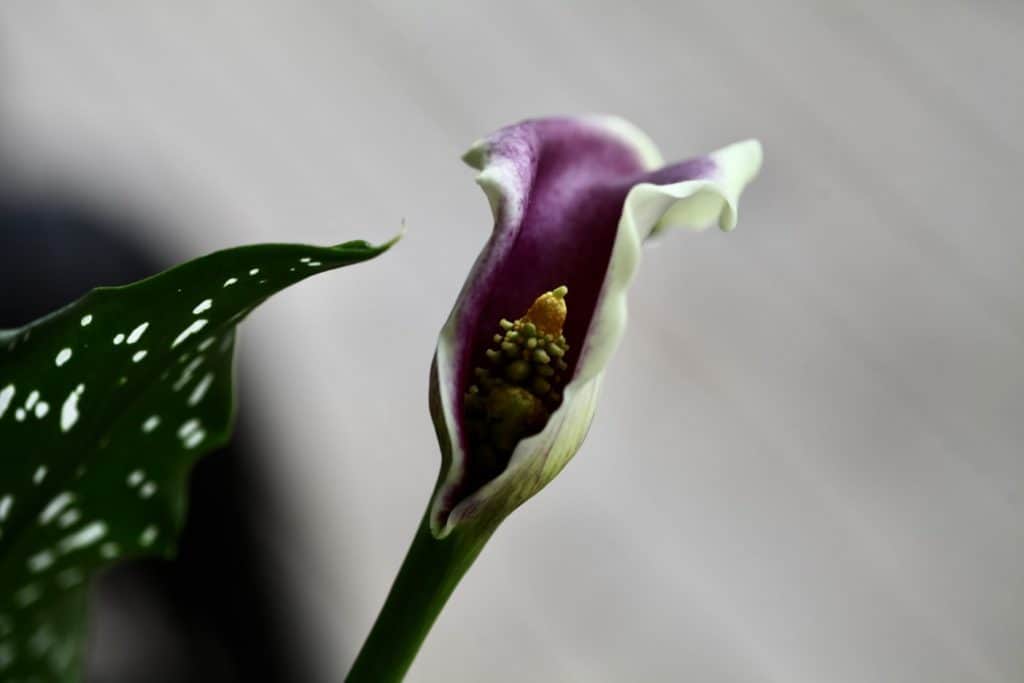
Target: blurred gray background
[{"x": 806, "y": 463}]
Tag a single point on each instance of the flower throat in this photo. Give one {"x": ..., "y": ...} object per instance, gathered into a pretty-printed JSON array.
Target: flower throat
[{"x": 521, "y": 385}]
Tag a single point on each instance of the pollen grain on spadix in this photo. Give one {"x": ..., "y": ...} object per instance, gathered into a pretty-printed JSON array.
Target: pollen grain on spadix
[{"x": 519, "y": 385}]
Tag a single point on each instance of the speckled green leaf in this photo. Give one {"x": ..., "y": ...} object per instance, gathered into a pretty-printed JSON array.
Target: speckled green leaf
[{"x": 104, "y": 408}]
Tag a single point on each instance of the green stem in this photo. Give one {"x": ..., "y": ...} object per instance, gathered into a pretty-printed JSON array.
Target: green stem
[{"x": 431, "y": 571}]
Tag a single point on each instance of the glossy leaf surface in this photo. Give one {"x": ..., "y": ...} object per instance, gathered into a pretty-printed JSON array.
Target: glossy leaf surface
[{"x": 105, "y": 406}]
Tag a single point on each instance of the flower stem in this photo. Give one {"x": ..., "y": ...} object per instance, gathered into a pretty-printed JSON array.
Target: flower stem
[{"x": 431, "y": 571}]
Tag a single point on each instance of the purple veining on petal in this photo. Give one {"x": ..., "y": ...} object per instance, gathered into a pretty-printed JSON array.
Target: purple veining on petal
[{"x": 573, "y": 178}]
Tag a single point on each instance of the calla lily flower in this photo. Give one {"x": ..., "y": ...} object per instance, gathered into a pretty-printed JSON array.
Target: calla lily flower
[
  {"x": 518, "y": 365},
  {"x": 573, "y": 202}
]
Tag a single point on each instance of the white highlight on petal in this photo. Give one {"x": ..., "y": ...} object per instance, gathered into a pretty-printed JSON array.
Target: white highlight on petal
[{"x": 62, "y": 357}]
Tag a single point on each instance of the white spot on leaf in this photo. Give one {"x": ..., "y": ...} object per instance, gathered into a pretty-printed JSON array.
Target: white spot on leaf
[
  {"x": 85, "y": 536},
  {"x": 40, "y": 561},
  {"x": 187, "y": 428},
  {"x": 204, "y": 305},
  {"x": 63, "y": 357},
  {"x": 186, "y": 374},
  {"x": 137, "y": 333},
  {"x": 27, "y": 595},
  {"x": 69, "y": 411},
  {"x": 6, "y": 394},
  {"x": 201, "y": 388},
  {"x": 86, "y": 319},
  {"x": 195, "y": 438},
  {"x": 148, "y": 535},
  {"x": 55, "y": 507},
  {"x": 69, "y": 518},
  {"x": 69, "y": 578},
  {"x": 189, "y": 331}
]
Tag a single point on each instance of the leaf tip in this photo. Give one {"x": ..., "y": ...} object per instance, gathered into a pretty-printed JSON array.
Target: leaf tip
[{"x": 397, "y": 238}]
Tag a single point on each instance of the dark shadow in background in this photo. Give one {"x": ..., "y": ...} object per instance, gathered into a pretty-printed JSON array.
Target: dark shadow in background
[{"x": 214, "y": 613}]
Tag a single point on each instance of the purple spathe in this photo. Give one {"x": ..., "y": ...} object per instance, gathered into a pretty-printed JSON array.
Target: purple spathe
[{"x": 558, "y": 189}]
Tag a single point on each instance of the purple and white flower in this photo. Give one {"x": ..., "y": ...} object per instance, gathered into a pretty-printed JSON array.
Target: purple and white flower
[{"x": 573, "y": 200}]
